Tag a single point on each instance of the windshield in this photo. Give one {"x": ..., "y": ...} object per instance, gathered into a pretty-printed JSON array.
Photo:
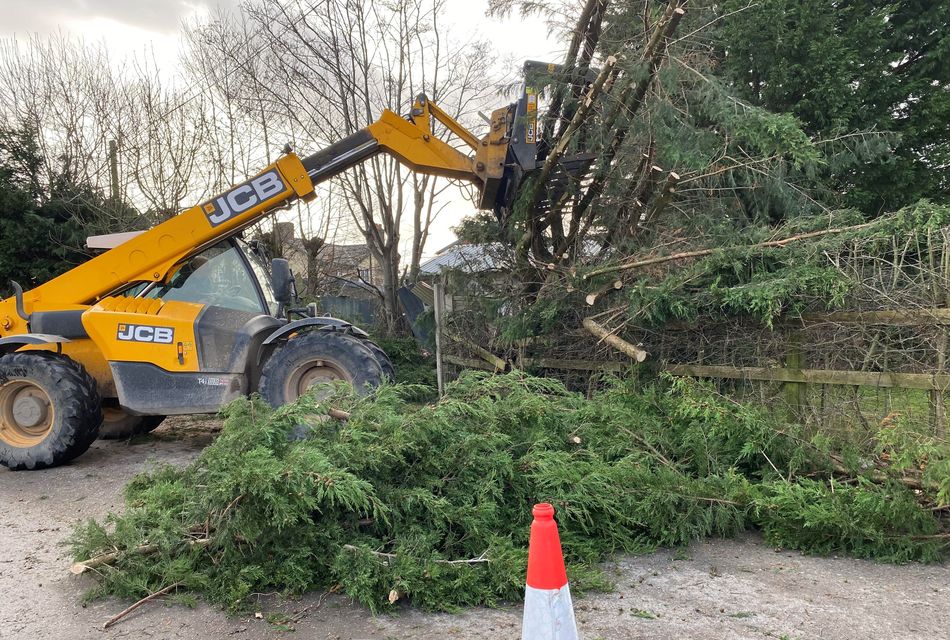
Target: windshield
[
  {"x": 263, "y": 276},
  {"x": 217, "y": 276}
]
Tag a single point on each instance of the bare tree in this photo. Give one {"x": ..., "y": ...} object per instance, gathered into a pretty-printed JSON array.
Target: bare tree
[
  {"x": 322, "y": 70},
  {"x": 81, "y": 104}
]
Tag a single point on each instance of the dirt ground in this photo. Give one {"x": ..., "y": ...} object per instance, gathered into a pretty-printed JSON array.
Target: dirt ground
[{"x": 716, "y": 589}]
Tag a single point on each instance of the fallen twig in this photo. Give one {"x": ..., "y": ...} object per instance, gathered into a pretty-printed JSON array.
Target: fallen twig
[
  {"x": 138, "y": 604},
  {"x": 392, "y": 556}
]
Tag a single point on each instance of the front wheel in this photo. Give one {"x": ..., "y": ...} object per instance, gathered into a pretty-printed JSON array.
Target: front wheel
[
  {"x": 313, "y": 358},
  {"x": 49, "y": 410}
]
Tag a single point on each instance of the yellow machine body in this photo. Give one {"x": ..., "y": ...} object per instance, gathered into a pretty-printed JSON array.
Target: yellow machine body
[{"x": 145, "y": 330}]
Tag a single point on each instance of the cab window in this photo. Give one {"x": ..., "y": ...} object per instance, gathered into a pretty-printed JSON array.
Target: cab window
[
  {"x": 217, "y": 276},
  {"x": 263, "y": 277}
]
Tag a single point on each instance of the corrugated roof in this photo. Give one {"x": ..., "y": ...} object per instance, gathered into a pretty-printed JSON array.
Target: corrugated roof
[{"x": 470, "y": 258}]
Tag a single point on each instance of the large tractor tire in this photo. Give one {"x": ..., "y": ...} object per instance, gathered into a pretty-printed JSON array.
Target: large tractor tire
[
  {"x": 389, "y": 371},
  {"x": 49, "y": 410},
  {"x": 118, "y": 425},
  {"x": 312, "y": 358}
]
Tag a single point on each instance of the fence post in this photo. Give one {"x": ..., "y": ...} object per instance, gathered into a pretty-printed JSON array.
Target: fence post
[
  {"x": 438, "y": 302},
  {"x": 937, "y": 409},
  {"x": 795, "y": 391}
]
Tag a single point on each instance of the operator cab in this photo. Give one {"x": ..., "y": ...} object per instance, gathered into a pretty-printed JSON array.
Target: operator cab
[{"x": 228, "y": 275}]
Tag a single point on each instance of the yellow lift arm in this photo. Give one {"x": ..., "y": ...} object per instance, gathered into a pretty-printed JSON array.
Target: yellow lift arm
[{"x": 151, "y": 255}]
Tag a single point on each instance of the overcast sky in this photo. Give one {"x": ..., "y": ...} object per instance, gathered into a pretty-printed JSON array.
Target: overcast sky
[{"x": 134, "y": 27}]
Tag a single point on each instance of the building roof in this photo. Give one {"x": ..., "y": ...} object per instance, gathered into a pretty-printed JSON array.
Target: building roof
[{"x": 470, "y": 258}]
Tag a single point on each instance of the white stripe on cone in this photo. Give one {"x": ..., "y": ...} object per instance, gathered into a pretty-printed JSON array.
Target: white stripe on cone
[{"x": 548, "y": 614}]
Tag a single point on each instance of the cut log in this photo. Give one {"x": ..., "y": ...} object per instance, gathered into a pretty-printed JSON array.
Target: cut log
[
  {"x": 594, "y": 296},
  {"x": 600, "y": 332}
]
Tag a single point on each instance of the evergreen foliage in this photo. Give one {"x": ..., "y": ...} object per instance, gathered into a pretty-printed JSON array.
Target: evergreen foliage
[
  {"x": 401, "y": 502},
  {"x": 843, "y": 68},
  {"x": 764, "y": 283},
  {"x": 43, "y": 223},
  {"x": 414, "y": 365}
]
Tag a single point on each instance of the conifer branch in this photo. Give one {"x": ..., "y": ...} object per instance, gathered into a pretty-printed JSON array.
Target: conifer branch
[
  {"x": 482, "y": 559},
  {"x": 561, "y": 146},
  {"x": 636, "y": 264},
  {"x": 631, "y": 98}
]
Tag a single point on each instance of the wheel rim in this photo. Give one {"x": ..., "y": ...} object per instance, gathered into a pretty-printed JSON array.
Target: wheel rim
[
  {"x": 314, "y": 372},
  {"x": 26, "y": 413}
]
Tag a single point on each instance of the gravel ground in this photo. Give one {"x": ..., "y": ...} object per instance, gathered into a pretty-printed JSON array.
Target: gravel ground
[{"x": 716, "y": 589}]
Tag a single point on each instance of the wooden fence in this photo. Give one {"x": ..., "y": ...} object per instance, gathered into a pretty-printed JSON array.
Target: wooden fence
[{"x": 794, "y": 374}]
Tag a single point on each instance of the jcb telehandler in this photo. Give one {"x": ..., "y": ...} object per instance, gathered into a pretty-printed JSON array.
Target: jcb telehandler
[{"x": 183, "y": 318}]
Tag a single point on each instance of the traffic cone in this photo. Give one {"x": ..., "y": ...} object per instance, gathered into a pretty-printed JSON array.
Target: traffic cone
[{"x": 548, "y": 612}]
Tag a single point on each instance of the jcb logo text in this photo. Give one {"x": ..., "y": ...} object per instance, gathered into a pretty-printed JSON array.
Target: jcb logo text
[
  {"x": 145, "y": 333},
  {"x": 243, "y": 197}
]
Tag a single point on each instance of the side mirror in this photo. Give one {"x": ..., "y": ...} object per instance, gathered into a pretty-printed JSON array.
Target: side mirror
[{"x": 282, "y": 279}]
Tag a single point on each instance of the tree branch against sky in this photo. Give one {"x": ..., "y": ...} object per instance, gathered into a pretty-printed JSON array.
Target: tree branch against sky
[{"x": 328, "y": 69}]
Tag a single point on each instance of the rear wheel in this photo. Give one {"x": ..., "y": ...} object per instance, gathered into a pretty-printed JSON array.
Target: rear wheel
[
  {"x": 117, "y": 424},
  {"x": 312, "y": 358},
  {"x": 49, "y": 410}
]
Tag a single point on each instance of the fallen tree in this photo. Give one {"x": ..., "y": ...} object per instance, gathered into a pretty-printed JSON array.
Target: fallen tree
[{"x": 432, "y": 504}]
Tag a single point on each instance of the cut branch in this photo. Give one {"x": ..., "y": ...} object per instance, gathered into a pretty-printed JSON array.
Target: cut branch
[
  {"x": 662, "y": 200},
  {"x": 482, "y": 559},
  {"x": 95, "y": 562},
  {"x": 598, "y": 294},
  {"x": 78, "y": 568},
  {"x": 338, "y": 414},
  {"x": 632, "y": 97},
  {"x": 620, "y": 344},
  {"x": 557, "y": 101},
  {"x": 561, "y": 146}
]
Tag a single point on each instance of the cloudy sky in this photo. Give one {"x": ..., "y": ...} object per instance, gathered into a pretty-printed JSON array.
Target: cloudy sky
[
  {"x": 134, "y": 27},
  {"x": 137, "y": 26}
]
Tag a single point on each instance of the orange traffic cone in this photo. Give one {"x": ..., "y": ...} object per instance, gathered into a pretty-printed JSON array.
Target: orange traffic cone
[{"x": 548, "y": 611}]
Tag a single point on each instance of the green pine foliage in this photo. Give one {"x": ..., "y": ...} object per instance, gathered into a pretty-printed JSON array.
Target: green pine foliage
[
  {"x": 877, "y": 66},
  {"x": 863, "y": 519},
  {"x": 764, "y": 283},
  {"x": 432, "y": 504},
  {"x": 414, "y": 365}
]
